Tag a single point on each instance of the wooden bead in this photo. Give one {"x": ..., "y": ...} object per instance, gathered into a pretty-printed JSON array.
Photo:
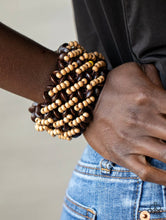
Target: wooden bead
[
  {"x": 88, "y": 100},
  {"x": 76, "y": 86},
  {"x": 92, "y": 98},
  {"x": 37, "y": 120},
  {"x": 46, "y": 122},
  {"x": 89, "y": 87},
  {"x": 71, "y": 43},
  {"x": 76, "y": 108},
  {"x": 85, "y": 55},
  {"x": 93, "y": 83},
  {"x": 63, "y": 72},
  {"x": 72, "y": 88},
  {"x": 42, "y": 111},
  {"x": 69, "y": 116},
  {"x": 41, "y": 128},
  {"x": 75, "y": 43},
  {"x": 75, "y": 99},
  {"x": 60, "y": 110},
  {"x": 78, "y": 71},
  {"x": 67, "y": 83},
  {"x": 63, "y": 86},
  {"x": 75, "y": 123},
  {"x": 59, "y": 88},
  {"x": 50, "y": 120},
  {"x": 71, "y": 67},
  {"x": 50, "y": 108},
  {"x": 58, "y": 75},
  {"x": 85, "y": 103},
  {"x": 70, "y": 54},
  {"x": 80, "y": 105},
  {"x": 67, "y": 105},
  {"x": 94, "y": 68},
  {"x": 86, "y": 114},
  {"x": 58, "y": 102},
  {"x": 82, "y": 68},
  {"x": 70, "y": 123},
  {"x": 77, "y": 130},
  {"x": 63, "y": 107},
  {"x": 46, "y": 109},
  {"x": 66, "y": 120},
  {"x": 75, "y": 64},
  {"x": 96, "y": 53},
  {"x": 68, "y": 91},
  {"x": 80, "y": 83},
  {"x": 72, "y": 132},
  {"x": 67, "y": 69},
  {"x": 71, "y": 103},
  {"x": 69, "y": 133},
  {"x": 78, "y": 120},
  {"x": 53, "y": 105},
  {"x": 81, "y": 58},
  {"x": 82, "y": 118},
  {"x": 66, "y": 58},
  {"x": 84, "y": 80},
  {"x": 61, "y": 122},
  {"x": 55, "y": 90},
  {"x": 50, "y": 93}
]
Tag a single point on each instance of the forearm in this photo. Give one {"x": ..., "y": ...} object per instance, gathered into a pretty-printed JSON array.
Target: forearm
[{"x": 24, "y": 64}]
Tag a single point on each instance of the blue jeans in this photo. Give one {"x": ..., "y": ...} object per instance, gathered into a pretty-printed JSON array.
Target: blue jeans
[{"x": 102, "y": 190}]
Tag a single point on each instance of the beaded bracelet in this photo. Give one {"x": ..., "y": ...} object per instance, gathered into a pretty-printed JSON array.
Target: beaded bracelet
[{"x": 72, "y": 94}]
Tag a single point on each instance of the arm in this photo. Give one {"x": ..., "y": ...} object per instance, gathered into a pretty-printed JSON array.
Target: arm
[{"x": 24, "y": 64}]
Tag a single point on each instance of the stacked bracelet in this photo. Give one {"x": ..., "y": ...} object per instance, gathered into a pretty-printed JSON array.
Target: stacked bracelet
[{"x": 72, "y": 94}]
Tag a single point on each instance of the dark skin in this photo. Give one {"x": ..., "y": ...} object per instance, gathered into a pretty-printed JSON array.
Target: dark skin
[{"x": 128, "y": 121}]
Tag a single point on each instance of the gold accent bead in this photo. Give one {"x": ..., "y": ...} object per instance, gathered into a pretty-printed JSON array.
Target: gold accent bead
[{"x": 91, "y": 62}]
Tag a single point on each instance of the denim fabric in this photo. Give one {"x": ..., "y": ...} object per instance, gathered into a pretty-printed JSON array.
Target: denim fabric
[{"x": 102, "y": 190}]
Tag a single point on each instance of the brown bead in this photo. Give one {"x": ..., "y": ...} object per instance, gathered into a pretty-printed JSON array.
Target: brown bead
[
  {"x": 71, "y": 79},
  {"x": 89, "y": 87},
  {"x": 53, "y": 79},
  {"x": 55, "y": 97},
  {"x": 79, "y": 94},
  {"x": 63, "y": 96}
]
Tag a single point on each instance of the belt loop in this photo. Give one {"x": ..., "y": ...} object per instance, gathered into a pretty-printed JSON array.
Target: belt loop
[{"x": 106, "y": 166}]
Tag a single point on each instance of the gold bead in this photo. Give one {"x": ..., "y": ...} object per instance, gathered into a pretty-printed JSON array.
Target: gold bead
[
  {"x": 59, "y": 88},
  {"x": 61, "y": 122},
  {"x": 91, "y": 63},
  {"x": 50, "y": 93},
  {"x": 81, "y": 58},
  {"x": 37, "y": 120},
  {"x": 60, "y": 110},
  {"x": 63, "y": 107},
  {"x": 53, "y": 105},
  {"x": 46, "y": 109},
  {"x": 96, "y": 53},
  {"x": 46, "y": 122},
  {"x": 75, "y": 123},
  {"x": 93, "y": 83},
  {"x": 70, "y": 54},
  {"x": 77, "y": 130},
  {"x": 41, "y": 128},
  {"x": 42, "y": 111},
  {"x": 72, "y": 132},
  {"x": 70, "y": 123},
  {"x": 50, "y": 107},
  {"x": 88, "y": 100},
  {"x": 75, "y": 43},
  {"x": 85, "y": 55},
  {"x": 82, "y": 68}
]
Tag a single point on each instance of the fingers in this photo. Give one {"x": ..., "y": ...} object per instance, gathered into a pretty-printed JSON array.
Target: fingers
[
  {"x": 152, "y": 147},
  {"x": 145, "y": 171}
]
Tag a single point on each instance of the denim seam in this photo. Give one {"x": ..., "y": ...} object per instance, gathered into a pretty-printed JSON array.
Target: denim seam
[
  {"x": 154, "y": 213},
  {"x": 136, "y": 199},
  {"x": 115, "y": 177},
  {"x": 94, "y": 168},
  {"x": 87, "y": 209},
  {"x": 77, "y": 212}
]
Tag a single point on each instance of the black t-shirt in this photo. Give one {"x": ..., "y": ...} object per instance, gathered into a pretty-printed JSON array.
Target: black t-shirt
[{"x": 124, "y": 30}]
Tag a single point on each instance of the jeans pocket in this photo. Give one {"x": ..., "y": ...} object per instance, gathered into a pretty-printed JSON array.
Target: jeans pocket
[{"x": 73, "y": 210}]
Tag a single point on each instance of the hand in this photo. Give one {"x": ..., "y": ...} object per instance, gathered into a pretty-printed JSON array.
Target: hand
[{"x": 129, "y": 122}]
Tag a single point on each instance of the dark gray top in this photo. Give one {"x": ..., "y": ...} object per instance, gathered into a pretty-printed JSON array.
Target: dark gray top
[{"x": 124, "y": 30}]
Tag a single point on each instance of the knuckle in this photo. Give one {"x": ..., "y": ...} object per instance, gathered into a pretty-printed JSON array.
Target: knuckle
[
  {"x": 141, "y": 97},
  {"x": 144, "y": 173}
]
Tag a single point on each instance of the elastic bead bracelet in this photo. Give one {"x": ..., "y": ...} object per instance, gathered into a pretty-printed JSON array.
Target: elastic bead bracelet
[{"x": 73, "y": 91}]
